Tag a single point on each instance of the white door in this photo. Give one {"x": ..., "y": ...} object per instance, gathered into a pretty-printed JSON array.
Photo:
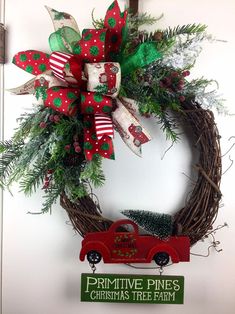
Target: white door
[{"x": 40, "y": 265}]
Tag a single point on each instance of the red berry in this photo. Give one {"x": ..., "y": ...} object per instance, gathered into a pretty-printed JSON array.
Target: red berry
[
  {"x": 75, "y": 144},
  {"x": 56, "y": 118},
  {"x": 51, "y": 118},
  {"x": 77, "y": 149},
  {"x": 46, "y": 185},
  {"x": 50, "y": 171},
  {"x": 186, "y": 73},
  {"x": 67, "y": 147},
  {"x": 42, "y": 125},
  {"x": 181, "y": 98}
]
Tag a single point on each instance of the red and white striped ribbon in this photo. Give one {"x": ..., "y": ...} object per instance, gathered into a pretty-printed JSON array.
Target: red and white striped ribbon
[
  {"x": 103, "y": 126},
  {"x": 57, "y": 62}
]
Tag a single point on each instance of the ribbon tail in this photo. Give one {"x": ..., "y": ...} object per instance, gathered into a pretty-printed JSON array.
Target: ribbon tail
[
  {"x": 116, "y": 22},
  {"x": 94, "y": 146},
  {"x": 62, "y": 19},
  {"x": 129, "y": 128},
  {"x": 26, "y": 88}
]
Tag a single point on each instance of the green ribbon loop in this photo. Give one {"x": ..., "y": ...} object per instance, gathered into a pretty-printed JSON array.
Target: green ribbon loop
[
  {"x": 64, "y": 39},
  {"x": 145, "y": 54}
]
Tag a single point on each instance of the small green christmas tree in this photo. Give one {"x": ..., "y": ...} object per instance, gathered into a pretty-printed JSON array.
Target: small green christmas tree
[{"x": 156, "y": 224}]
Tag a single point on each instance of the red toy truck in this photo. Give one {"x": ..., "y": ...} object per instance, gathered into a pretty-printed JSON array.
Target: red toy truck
[
  {"x": 130, "y": 247},
  {"x": 109, "y": 77},
  {"x": 139, "y": 136}
]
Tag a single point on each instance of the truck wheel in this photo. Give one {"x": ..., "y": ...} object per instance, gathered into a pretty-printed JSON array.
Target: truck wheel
[
  {"x": 94, "y": 257},
  {"x": 114, "y": 69},
  {"x": 113, "y": 90},
  {"x": 161, "y": 258},
  {"x": 42, "y": 80},
  {"x": 137, "y": 142},
  {"x": 138, "y": 129}
]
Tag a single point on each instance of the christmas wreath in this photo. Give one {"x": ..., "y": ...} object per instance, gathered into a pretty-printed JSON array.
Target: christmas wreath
[{"x": 97, "y": 82}]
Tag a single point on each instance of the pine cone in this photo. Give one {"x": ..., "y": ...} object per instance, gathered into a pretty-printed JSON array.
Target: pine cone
[{"x": 158, "y": 36}]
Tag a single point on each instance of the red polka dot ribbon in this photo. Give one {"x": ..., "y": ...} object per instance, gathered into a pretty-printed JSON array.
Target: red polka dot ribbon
[
  {"x": 98, "y": 45},
  {"x": 115, "y": 22},
  {"x": 32, "y": 61}
]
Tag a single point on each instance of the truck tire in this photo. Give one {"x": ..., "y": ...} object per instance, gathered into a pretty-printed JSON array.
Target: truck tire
[
  {"x": 114, "y": 69},
  {"x": 161, "y": 258},
  {"x": 93, "y": 257}
]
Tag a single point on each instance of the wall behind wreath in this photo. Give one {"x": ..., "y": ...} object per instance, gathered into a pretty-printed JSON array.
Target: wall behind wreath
[{"x": 41, "y": 270}]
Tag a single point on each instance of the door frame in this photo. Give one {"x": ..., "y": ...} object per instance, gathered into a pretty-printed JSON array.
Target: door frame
[{"x": 2, "y": 20}]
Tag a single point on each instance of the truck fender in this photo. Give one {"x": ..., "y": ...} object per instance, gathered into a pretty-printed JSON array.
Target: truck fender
[
  {"x": 95, "y": 246},
  {"x": 164, "y": 248}
]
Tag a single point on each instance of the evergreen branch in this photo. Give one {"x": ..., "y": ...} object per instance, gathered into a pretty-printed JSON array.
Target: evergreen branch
[
  {"x": 135, "y": 21},
  {"x": 188, "y": 29},
  {"x": 32, "y": 179},
  {"x": 93, "y": 172},
  {"x": 26, "y": 121},
  {"x": 50, "y": 198},
  {"x": 9, "y": 145},
  {"x": 195, "y": 85},
  {"x": 8, "y": 159}
]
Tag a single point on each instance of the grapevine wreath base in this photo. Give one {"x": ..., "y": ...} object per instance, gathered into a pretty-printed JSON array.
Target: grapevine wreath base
[
  {"x": 53, "y": 142},
  {"x": 196, "y": 218}
]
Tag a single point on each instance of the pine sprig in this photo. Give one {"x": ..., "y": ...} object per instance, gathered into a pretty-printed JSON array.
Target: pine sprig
[
  {"x": 136, "y": 21},
  {"x": 93, "y": 172},
  {"x": 168, "y": 126},
  {"x": 10, "y": 154},
  {"x": 50, "y": 198},
  {"x": 32, "y": 179},
  {"x": 9, "y": 145},
  {"x": 26, "y": 121},
  {"x": 189, "y": 29}
]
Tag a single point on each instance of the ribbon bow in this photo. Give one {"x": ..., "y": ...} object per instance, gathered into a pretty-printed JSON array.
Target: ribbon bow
[{"x": 82, "y": 76}]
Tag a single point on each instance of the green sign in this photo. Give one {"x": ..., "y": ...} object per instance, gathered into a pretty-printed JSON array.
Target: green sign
[{"x": 132, "y": 288}]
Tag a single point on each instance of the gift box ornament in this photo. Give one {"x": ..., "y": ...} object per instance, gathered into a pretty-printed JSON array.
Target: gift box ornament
[{"x": 103, "y": 77}]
